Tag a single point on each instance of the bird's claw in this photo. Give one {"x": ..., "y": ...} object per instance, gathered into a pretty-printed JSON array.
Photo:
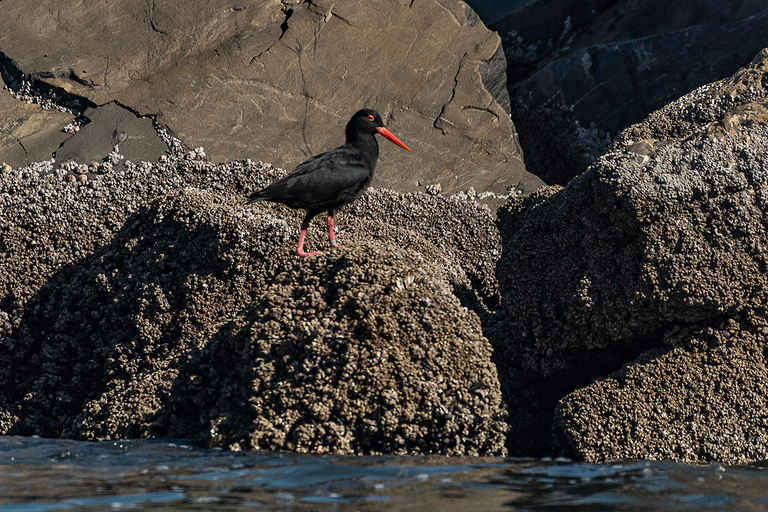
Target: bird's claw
[{"x": 303, "y": 254}]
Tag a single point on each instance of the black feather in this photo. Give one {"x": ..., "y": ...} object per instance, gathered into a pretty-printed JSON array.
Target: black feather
[{"x": 332, "y": 179}]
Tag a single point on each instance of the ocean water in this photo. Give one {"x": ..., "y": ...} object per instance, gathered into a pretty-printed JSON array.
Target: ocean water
[{"x": 38, "y": 475}]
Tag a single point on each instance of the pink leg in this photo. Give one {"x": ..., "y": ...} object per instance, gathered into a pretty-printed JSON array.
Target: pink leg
[
  {"x": 331, "y": 235},
  {"x": 300, "y": 249}
]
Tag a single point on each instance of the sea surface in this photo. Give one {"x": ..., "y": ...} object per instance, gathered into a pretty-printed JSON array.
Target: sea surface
[{"x": 39, "y": 475}]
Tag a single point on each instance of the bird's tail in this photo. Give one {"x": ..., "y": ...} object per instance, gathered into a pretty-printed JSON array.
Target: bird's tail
[{"x": 255, "y": 197}]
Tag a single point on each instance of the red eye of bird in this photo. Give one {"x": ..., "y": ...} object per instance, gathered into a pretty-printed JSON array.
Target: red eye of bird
[{"x": 370, "y": 117}]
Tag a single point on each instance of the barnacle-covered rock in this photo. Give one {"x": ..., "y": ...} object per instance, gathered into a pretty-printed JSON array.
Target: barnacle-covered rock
[
  {"x": 362, "y": 350},
  {"x": 662, "y": 238}
]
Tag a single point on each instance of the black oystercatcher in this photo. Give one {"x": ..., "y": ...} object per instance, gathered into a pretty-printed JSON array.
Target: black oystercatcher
[{"x": 328, "y": 181}]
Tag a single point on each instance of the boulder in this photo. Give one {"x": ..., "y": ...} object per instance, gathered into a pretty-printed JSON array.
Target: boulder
[
  {"x": 111, "y": 285},
  {"x": 700, "y": 399},
  {"x": 657, "y": 236},
  {"x": 277, "y": 81},
  {"x": 103, "y": 291},
  {"x": 363, "y": 351}
]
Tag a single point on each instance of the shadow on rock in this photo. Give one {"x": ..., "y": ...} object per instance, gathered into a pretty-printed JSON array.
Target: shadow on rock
[
  {"x": 648, "y": 266},
  {"x": 97, "y": 348}
]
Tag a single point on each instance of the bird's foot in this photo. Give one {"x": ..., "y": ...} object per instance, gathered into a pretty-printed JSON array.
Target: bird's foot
[
  {"x": 302, "y": 254},
  {"x": 335, "y": 245}
]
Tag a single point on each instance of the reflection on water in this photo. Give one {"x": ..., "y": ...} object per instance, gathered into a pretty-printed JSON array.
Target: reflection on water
[{"x": 40, "y": 475}]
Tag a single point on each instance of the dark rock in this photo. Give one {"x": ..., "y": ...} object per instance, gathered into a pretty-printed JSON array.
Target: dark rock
[
  {"x": 721, "y": 108},
  {"x": 364, "y": 350},
  {"x": 581, "y": 71},
  {"x": 277, "y": 81},
  {"x": 491, "y": 11},
  {"x": 654, "y": 237}
]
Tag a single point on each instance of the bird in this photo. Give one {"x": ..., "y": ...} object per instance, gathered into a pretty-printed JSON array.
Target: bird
[{"x": 330, "y": 180}]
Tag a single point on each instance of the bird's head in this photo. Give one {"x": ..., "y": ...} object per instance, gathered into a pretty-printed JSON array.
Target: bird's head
[{"x": 369, "y": 121}]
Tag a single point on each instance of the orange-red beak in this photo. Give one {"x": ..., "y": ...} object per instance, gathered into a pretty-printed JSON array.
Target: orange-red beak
[{"x": 388, "y": 135}]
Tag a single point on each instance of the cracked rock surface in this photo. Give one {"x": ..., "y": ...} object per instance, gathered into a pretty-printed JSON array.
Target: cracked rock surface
[{"x": 277, "y": 81}]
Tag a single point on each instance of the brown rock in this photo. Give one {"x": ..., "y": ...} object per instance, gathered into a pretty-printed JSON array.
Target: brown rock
[
  {"x": 276, "y": 81},
  {"x": 698, "y": 402},
  {"x": 29, "y": 133},
  {"x": 364, "y": 350},
  {"x": 657, "y": 235},
  {"x": 108, "y": 286}
]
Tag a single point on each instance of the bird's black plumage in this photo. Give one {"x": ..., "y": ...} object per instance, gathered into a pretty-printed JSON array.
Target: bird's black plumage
[{"x": 332, "y": 179}]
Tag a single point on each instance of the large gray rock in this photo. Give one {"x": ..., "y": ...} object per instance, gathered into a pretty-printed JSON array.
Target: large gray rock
[
  {"x": 277, "y": 81},
  {"x": 657, "y": 237}
]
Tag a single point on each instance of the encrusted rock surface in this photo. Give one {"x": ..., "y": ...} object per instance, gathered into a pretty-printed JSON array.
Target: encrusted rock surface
[
  {"x": 656, "y": 238},
  {"x": 109, "y": 285},
  {"x": 363, "y": 350},
  {"x": 700, "y": 400}
]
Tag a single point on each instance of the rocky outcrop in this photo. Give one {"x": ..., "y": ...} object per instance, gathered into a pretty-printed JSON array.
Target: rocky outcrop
[
  {"x": 580, "y": 72},
  {"x": 112, "y": 287},
  {"x": 363, "y": 351},
  {"x": 699, "y": 399},
  {"x": 277, "y": 81},
  {"x": 652, "y": 259},
  {"x": 141, "y": 299}
]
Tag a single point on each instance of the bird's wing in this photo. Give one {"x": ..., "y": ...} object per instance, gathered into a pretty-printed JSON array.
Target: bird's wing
[{"x": 320, "y": 182}]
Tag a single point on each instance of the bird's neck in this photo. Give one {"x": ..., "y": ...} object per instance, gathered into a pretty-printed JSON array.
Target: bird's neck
[{"x": 368, "y": 147}]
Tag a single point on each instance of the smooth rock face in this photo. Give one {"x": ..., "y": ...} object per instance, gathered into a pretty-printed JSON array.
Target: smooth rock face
[
  {"x": 29, "y": 133},
  {"x": 277, "y": 81},
  {"x": 110, "y": 126},
  {"x": 658, "y": 238},
  {"x": 579, "y": 71},
  {"x": 363, "y": 350},
  {"x": 110, "y": 287}
]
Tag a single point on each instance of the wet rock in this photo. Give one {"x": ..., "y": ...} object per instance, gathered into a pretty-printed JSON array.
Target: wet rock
[
  {"x": 277, "y": 81},
  {"x": 364, "y": 350},
  {"x": 657, "y": 236}
]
